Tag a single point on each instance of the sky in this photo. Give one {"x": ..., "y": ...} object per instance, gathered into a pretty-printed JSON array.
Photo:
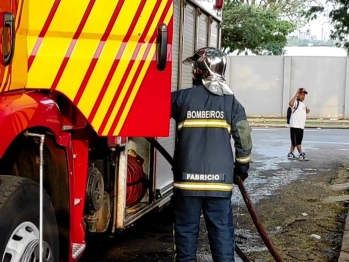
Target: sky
[{"x": 321, "y": 25}]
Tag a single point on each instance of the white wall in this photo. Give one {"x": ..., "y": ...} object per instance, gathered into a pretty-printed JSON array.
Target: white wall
[{"x": 265, "y": 84}]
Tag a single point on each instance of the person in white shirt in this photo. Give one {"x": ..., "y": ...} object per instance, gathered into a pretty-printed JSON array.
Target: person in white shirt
[{"x": 297, "y": 123}]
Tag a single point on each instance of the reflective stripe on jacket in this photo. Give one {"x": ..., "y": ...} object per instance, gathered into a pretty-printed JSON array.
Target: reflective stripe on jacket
[{"x": 203, "y": 158}]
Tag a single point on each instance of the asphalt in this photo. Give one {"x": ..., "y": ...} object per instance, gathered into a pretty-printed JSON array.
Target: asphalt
[
  {"x": 317, "y": 124},
  {"x": 151, "y": 239}
]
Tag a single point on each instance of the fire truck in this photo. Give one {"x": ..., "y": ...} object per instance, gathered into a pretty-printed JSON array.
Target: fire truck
[{"x": 83, "y": 84}]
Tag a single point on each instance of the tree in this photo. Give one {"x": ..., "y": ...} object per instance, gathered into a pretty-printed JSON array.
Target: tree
[
  {"x": 260, "y": 30},
  {"x": 293, "y": 10},
  {"x": 337, "y": 12}
]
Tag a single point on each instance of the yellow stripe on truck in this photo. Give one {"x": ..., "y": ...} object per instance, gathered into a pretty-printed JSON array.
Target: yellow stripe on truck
[
  {"x": 106, "y": 60},
  {"x": 128, "y": 14},
  {"x": 57, "y": 39},
  {"x": 134, "y": 91},
  {"x": 39, "y": 11},
  {"x": 84, "y": 51},
  {"x": 142, "y": 74},
  {"x": 4, "y": 79},
  {"x": 140, "y": 27}
]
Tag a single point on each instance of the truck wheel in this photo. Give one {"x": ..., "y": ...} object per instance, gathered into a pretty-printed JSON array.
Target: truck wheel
[{"x": 19, "y": 222}]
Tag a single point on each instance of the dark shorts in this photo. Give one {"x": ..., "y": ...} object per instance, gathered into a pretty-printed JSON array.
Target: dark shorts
[{"x": 296, "y": 136}]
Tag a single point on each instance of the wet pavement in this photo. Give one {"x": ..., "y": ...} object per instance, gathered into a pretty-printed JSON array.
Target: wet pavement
[
  {"x": 151, "y": 238},
  {"x": 270, "y": 168}
]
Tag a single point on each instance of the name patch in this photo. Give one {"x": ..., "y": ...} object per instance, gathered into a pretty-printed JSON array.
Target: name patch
[
  {"x": 203, "y": 177},
  {"x": 205, "y": 114}
]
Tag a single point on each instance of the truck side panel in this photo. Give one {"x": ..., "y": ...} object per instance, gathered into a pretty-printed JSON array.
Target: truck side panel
[{"x": 102, "y": 56}]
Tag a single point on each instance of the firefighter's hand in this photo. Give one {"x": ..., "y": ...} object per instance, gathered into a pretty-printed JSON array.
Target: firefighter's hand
[{"x": 241, "y": 171}]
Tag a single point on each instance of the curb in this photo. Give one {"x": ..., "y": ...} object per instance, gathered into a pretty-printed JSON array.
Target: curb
[
  {"x": 344, "y": 253},
  {"x": 306, "y": 127}
]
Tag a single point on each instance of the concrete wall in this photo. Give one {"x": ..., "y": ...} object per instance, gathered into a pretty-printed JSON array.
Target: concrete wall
[{"x": 265, "y": 84}]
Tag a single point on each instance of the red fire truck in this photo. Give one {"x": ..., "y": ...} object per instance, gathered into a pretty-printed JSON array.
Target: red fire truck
[{"x": 82, "y": 84}]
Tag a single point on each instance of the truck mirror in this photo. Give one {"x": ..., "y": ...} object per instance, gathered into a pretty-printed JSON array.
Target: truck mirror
[{"x": 161, "y": 47}]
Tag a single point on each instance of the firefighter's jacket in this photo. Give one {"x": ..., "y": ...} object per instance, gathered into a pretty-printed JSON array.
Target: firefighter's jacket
[{"x": 203, "y": 158}]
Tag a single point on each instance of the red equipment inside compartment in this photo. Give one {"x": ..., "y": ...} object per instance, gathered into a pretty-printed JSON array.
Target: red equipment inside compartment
[{"x": 136, "y": 182}]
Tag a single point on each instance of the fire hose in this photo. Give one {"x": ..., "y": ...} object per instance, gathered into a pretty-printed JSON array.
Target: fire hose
[
  {"x": 248, "y": 203},
  {"x": 136, "y": 186}
]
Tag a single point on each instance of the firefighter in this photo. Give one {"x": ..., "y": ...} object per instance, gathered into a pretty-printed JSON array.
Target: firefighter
[{"x": 207, "y": 116}]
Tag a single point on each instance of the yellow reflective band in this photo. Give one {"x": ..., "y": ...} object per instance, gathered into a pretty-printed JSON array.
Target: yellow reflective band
[
  {"x": 243, "y": 160},
  {"x": 202, "y": 123},
  {"x": 203, "y": 186}
]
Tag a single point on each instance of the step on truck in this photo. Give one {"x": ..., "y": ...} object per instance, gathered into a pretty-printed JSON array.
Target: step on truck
[{"x": 83, "y": 83}]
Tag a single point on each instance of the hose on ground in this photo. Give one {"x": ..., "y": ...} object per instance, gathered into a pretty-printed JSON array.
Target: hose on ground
[{"x": 257, "y": 222}]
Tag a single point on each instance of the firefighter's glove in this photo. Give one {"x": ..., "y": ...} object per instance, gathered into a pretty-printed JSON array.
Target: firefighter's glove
[{"x": 241, "y": 171}]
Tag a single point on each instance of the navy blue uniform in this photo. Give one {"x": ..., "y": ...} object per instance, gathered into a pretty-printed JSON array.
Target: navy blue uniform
[{"x": 204, "y": 168}]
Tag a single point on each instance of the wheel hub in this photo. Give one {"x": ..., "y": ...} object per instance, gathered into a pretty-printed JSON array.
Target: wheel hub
[
  {"x": 31, "y": 253},
  {"x": 23, "y": 245}
]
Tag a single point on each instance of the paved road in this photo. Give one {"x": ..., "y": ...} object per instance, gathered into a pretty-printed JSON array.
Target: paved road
[
  {"x": 151, "y": 239},
  {"x": 325, "y": 148}
]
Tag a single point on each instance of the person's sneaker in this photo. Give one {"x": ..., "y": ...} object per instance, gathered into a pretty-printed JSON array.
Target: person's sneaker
[
  {"x": 302, "y": 157},
  {"x": 291, "y": 156}
]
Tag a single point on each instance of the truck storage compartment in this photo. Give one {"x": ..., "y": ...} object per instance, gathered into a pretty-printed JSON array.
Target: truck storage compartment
[
  {"x": 138, "y": 178},
  {"x": 136, "y": 188}
]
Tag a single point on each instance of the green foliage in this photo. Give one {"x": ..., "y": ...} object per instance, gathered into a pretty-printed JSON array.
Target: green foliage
[
  {"x": 338, "y": 16},
  {"x": 249, "y": 27},
  {"x": 293, "y": 10}
]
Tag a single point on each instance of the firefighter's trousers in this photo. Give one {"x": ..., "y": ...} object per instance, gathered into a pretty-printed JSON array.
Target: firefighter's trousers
[{"x": 218, "y": 216}]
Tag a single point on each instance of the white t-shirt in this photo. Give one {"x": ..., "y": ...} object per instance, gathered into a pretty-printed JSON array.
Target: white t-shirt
[{"x": 299, "y": 116}]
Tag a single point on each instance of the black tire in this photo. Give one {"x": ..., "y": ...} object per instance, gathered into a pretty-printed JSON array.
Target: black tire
[{"x": 19, "y": 202}]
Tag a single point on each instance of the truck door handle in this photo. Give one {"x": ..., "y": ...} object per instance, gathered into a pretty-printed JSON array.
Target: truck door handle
[
  {"x": 8, "y": 51},
  {"x": 161, "y": 47}
]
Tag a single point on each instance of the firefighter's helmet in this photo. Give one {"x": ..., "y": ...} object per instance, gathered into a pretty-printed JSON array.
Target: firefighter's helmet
[
  {"x": 207, "y": 61},
  {"x": 208, "y": 65}
]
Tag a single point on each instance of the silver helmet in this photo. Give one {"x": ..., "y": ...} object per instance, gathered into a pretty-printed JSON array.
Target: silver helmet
[{"x": 209, "y": 64}]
